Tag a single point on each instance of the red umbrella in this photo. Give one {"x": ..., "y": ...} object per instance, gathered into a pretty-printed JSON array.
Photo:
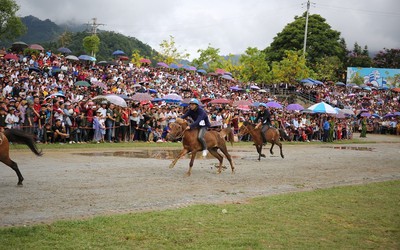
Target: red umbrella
[
  {"x": 11, "y": 57},
  {"x": 205, "y": 99},
  {"x": 242, "y": 102},
  {"x": 144, "y": 60},
  {"x": 396, "y": 89},
  {"x": 220, "y": 101},
  {"x": 123, "y": 58}
]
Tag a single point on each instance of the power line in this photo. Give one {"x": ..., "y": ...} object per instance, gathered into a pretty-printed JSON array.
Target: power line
[{"x": 375, "y": 12}]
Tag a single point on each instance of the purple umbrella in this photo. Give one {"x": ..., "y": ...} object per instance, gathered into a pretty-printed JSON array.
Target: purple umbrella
[
  {"x": 294, "y": 106},
  {"x": 162, "y": 64},
  {"x": 365, "y": 114},
  {"x": 274, "y": 105},
  {"x": 236, "y": 88}
]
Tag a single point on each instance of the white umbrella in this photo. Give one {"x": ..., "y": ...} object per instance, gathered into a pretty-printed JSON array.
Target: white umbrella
[
  {"x": 322, "y": 107},
  {"x": 72, "y": 57},
  {"x": 114, "y": 99}
]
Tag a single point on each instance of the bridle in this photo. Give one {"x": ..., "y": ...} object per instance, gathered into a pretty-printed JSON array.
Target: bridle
[{"x": 180, "y": 134}]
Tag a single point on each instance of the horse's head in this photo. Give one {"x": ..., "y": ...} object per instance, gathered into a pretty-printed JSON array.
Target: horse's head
[{"x": 176, "y": 129}]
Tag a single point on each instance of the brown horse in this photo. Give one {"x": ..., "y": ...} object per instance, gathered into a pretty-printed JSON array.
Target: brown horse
[
  {"x": 18, "y": 136},
  {"x": 192, "y": 145},
  {"x": 272, "y": 135}
]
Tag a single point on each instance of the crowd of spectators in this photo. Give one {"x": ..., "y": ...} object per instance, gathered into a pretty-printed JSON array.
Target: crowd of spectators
[{"x": 39, "y": 94}]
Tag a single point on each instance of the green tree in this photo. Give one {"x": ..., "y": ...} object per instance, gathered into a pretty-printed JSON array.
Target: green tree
[
  {"x": 11, "y": 26},
  {"x": 322, "y": 40},
  {"x": 65, "y": 38},
  {"x": 254, "y": 66},
  {"x": 169, "y": 52},
  {"x": 208, "y": 58},
  {"x": 358, "y": 57},
  {"x": 328, "y": 68},
  {"x": 291, "y": 68},
  {"x": 91, "y": 44},
  {"x": 136, "y": 56}
]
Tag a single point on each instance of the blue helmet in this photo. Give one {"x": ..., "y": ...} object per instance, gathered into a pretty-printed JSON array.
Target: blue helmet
[
  {"x": 263, "y": 105},
  {"x": 195, "y": 101}
]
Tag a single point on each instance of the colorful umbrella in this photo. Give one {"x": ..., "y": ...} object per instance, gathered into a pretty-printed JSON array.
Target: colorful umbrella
[{"x": 322, "y": 107}]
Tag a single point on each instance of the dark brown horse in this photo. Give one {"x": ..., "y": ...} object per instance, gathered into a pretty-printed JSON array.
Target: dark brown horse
[
  {"x": 272, "y": 135},
  {"x": 192, "y": 145},
  {"x": 18, "y": 136}
]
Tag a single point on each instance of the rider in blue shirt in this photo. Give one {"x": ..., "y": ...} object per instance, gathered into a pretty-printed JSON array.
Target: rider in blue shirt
[{"x": 200, "y": 121}]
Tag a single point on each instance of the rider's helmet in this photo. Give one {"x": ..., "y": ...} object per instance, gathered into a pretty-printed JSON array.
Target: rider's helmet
[
  {"x": 194, "y": 101},
  {"x": 262, "y": 105}
]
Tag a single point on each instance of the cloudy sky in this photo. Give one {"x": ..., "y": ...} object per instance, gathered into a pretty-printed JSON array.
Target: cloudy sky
[{"x": 230, "y": 25}]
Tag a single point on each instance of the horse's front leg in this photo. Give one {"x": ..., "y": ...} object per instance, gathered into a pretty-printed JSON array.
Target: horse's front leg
[
  {"x": 270, "y": 150},
  {"x": 259, "y": 150},
  {"x": 189, "y": 172},
  {"x": 182, "y": 153}
]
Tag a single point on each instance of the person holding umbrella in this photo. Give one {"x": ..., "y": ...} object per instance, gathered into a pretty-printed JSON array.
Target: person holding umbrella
[{"x": 263, "y": 119}]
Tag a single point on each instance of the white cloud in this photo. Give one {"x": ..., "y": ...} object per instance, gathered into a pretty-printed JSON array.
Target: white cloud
[{"x": 230, "y": 25}]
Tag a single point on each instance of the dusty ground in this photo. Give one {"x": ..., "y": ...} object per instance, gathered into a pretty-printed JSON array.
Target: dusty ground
[{"x": 77, "y": 184}]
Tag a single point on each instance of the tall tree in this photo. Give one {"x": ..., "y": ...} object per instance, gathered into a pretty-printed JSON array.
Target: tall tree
[
  {"x": 169, "y": 52},
  {"x": 329, "y": 68},
  {"x": 91, "y": 44},
  {"x": 322, "y": 40},
  {"x": 387, "y": 58},
  {"x": 65, "y": 38},
  {"x": 254, "y": 66},
  {"x": 291, "y": 68},
  {"x": 358, "y": 57},
  {"x": 11, "y": 26},
  {"x": 208, "y": 58}
]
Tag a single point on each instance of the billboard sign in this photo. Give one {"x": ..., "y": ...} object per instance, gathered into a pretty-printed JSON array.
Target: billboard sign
[{"x": 377, "y": 77}]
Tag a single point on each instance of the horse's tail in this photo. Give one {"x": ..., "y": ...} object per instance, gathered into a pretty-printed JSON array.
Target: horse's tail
[
  {"x": 18, "y": 136},
  {"x": 283, "y": 135}
]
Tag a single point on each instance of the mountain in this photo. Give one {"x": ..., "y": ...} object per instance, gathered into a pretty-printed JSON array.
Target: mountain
[
  {"x": 39, "y": 31},
  {"x": 47, "y": 33}
]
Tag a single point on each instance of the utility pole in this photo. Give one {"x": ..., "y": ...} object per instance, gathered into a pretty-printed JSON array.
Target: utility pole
[
  {"x": 306, "y": 29},
  {"x": 94, "y": 25}
]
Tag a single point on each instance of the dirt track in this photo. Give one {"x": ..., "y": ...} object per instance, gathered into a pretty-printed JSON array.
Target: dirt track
[{"x": 76, "y": 184}]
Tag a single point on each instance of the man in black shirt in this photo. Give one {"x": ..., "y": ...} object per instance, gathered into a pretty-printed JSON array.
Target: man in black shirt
[{"x": 264, "y": 120}]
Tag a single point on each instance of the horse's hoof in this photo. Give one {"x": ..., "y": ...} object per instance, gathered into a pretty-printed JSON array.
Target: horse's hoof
[
  {"x": 19, "y": 184},
  {"x": 171, "y": 166},
  {"x": 262, "y": 155}
]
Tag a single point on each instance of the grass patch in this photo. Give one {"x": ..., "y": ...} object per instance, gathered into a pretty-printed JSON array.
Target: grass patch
[{"x": 352, "y": 217}]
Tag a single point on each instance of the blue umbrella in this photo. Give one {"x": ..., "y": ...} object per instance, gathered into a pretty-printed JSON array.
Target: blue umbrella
[
  {"x": 173, "y": 66},
  {"x": 153, "y": 91},
  {"x": 202, "y": 71},
  {"x": 340, "y": 84},
  {"x": 118, "y": 53},
  {"x": 86, "y": 58},
  {"x": 64, "y": 50},
  {"x": 396, "y": 113},
  {"x": 227, "y": 77}
]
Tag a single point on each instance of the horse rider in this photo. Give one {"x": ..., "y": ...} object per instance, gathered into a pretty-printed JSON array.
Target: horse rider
[
  {"x": 200, "y": 121},
  {"x": 264, "y": 120}
]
